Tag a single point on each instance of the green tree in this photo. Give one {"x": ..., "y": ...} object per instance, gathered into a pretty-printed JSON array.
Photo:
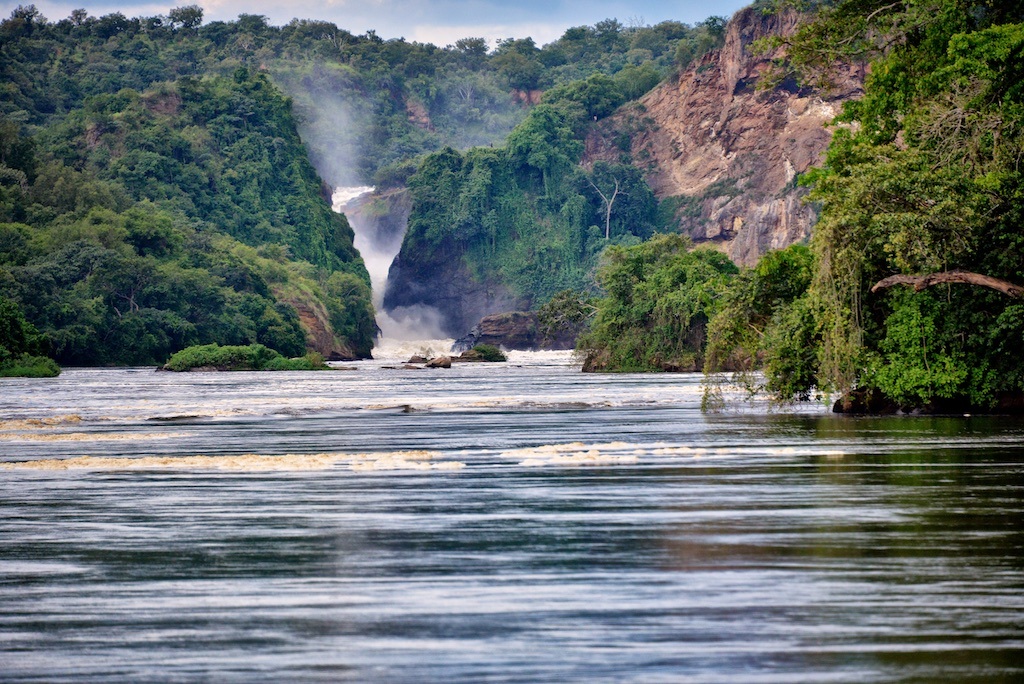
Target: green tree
[
  {"x": 659, "y": 298},
  {"x": 925, "y": 190},
  {"x": 21, "y": 346},
  {"x": 545, "y": 142},
  {"x": 188, "y": 17}
]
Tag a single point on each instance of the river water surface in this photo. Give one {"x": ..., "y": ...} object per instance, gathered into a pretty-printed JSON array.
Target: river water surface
[{"x": 519, "y": 522}]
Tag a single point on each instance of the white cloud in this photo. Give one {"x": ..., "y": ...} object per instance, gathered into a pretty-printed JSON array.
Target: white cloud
[{"x": 442, "y": 35}]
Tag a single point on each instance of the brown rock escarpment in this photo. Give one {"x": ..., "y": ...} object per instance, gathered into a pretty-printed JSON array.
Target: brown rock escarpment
[{"x": 730, "y": 151}]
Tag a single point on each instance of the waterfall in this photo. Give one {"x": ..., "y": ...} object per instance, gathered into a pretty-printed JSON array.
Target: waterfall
[
  {"x": 377, "y": 257},
  {"x": 405, "y": 330}
]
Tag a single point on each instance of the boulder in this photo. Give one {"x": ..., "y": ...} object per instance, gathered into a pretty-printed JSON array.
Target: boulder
[
  {"x": 513, "y": 330},
  {"x": 440, "y": 362}
]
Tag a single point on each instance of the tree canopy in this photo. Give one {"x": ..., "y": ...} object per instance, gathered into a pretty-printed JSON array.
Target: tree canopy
[{"x": 924, "y": 179}]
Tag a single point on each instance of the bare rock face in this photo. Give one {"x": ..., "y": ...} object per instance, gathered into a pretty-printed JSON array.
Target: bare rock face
[
  {"x": 728, "y": 151},
  {"x": 511, "y": 330},
  {"x": 515, "y": 330}
]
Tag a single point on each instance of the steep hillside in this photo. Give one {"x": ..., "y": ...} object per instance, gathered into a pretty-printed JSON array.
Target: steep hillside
[
  {"x": 728, "y": 152},
  {"x": 706, "y": 153},
  {"x": 146, "y": 206}
]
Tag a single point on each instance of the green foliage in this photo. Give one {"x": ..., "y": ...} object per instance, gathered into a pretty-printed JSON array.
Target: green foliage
[
  {"x": 592, "y": 98},
  {"x": 415, "y": 99},
  {"x": 28, "y": 366},
  {"x": 21, "y": 346},
  {"x": 486, "y": 352},
  {"x": 567, "y": 313},
  {"x": 132, "y": 146},
  {"x": 525, "y": 217},
  {"x": 131, "y": 200},
  {"x": 238, "y": 358},
  {"x": 706, "y": 36},
  {"x": 791, "y": 346},
  {"x": 545, "y": 144},
  {"x": 929, "y": 180},
  {"x": 17, "y": 336},
  {"x": 660, "y": 296},
  {"x": 764, "y": 323}
]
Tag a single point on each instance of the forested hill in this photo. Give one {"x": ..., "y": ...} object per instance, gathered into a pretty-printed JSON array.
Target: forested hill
[
  {"x": 909, "y": 297},
  {"x": 154, "y": 192},
  {"x": 147, "y": 206}
]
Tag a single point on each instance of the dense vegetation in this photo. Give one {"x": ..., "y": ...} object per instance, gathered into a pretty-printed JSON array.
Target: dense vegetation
[
  {"x": 525, "y": 215},
  {"x": 928, "y": 182},
  {"x": 924, "y": 190},
  {"x": 147, "y": 203},
  {"x": 154, "y": 193},
  {"x": 524, "y": 221},
  {"x": 410, "y": 98},
  {"x": 240, "y": 358},
  {"x": 659, "y": 298},
  {"x": 143, "y": 222},
  {"x": 22, "y": 348}
]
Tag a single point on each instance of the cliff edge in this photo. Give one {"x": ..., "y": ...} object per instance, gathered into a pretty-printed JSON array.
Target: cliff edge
[{"x": 730, "y": 152}]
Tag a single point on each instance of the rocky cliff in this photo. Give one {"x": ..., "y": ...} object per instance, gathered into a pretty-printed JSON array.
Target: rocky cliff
[{"x": 729, "y": 151}]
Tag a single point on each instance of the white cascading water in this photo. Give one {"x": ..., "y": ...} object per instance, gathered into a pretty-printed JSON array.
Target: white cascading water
[{"x": 405, "y": 331}]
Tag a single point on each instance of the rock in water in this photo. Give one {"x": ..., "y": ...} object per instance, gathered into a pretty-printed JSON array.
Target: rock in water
[{"x": 512, "y": 330}]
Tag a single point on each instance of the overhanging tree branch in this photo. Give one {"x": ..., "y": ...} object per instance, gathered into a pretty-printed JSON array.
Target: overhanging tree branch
[{"x": 921, "y": 282}]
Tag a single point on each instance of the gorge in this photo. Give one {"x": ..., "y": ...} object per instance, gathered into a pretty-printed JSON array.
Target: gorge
[
  {"x": 166, "y": 185},
  {"x": 721, "y": 153}
]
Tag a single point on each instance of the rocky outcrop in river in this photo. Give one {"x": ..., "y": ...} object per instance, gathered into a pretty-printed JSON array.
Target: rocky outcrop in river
[{"x": 515, "y": 330}]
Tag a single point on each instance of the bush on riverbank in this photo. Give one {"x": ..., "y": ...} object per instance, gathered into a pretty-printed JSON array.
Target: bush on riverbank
[
  {"x": 229, "y": 358},
  {"x": 659, "y": 297},
  {"x": 21, "y": 346},
  {"x": 28, "y": 366}
]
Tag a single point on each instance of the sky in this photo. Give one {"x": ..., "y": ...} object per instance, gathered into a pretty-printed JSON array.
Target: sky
[{"x": 441, "y": 22}]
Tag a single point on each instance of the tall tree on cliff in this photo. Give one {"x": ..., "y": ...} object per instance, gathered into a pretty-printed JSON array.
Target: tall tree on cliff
[{"x": 924, "y": 189}]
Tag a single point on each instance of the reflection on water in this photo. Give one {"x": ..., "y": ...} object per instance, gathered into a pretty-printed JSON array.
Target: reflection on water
[{"x": 600, "y": 529}]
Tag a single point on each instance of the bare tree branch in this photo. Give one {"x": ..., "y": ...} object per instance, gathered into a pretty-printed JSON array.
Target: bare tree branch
[
  {"x": 921, "y": 282},
  {"x": 608, "y": 206}
]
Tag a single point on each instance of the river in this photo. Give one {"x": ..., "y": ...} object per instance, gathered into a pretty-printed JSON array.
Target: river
[{"x": 519, "y": 522}]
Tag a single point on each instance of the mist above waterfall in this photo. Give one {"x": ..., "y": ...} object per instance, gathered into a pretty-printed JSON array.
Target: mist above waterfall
[{"x": 322, "y": 114}]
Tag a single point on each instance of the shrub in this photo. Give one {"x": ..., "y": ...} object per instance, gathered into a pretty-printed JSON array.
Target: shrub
[
  {"x": 28, "y": 366},
  {"x": 485, "y": 352},
  {"x": 251, "y": 357}
]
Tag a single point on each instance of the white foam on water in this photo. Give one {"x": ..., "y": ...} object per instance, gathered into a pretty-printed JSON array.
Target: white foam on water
[
  {"x": 577, "y": 454},
  {"x": 399, "y": 351},
  {"x": 397, "y": 460},
  {"x": 39, "y": 423},
  {"x": 89, "y": 436}
]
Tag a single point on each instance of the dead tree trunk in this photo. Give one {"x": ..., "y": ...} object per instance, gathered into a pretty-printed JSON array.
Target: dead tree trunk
[
  {"x": 921, "y": 282},
  {"x": 608, "y": 206}
]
